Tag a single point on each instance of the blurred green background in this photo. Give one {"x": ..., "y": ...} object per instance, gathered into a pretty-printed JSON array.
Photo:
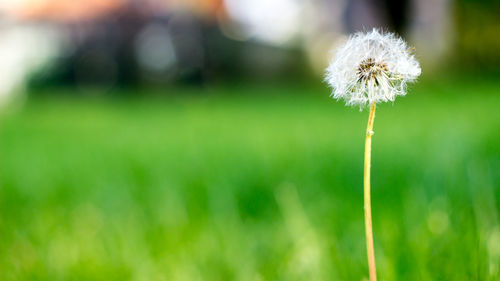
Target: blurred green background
[
  {"x": 239, "y": 166},
  {"x": 263, "y": 185}
]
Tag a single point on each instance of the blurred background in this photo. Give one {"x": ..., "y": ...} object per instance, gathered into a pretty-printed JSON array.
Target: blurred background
[{"x": 196, "y": 140}]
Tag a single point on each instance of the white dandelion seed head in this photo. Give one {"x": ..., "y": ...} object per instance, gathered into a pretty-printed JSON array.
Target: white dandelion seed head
[{"x": 372, "y": 67}]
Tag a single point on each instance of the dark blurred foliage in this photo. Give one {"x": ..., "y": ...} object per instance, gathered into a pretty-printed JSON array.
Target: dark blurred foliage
[
  {"x": 397, "y": 14},
  {"x": 478, "y": 40},
  {"x": 106, "y": 53}
]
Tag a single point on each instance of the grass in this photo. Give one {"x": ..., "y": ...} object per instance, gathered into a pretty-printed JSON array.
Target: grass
[{"x": 251, "y": 183}]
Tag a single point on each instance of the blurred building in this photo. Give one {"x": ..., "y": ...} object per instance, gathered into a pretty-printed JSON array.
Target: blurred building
[{"x": 105, "y": 43}]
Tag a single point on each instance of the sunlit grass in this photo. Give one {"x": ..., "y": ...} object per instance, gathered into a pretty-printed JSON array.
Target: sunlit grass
[{"x": 227, "y": 184}]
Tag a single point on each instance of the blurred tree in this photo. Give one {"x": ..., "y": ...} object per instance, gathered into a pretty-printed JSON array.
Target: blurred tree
[{"x": 478, "y": 30}]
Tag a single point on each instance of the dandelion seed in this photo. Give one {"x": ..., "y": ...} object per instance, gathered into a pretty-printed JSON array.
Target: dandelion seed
[{"x": 372, "y": 67}]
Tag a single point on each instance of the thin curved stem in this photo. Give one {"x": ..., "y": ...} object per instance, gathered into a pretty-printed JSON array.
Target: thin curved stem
[{"x": 368, "y": 209}]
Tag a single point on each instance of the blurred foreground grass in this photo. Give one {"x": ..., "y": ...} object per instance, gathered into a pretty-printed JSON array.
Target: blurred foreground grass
[{"x": 251, "y": 183}]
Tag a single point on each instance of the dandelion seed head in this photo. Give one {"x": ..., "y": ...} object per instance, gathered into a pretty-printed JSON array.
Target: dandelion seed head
[{"x": 372, "y": 67}]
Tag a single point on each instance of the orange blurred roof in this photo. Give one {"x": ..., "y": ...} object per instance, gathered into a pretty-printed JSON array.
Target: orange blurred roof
[
  {"x": 63, "y": 10},
  {"x": 81, "y": 10}
]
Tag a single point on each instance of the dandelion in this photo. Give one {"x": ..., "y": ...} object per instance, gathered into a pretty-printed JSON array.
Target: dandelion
[{"x": 371, "y": 68}]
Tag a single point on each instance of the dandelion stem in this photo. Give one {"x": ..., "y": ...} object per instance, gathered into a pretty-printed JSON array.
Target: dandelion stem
[{"x": 368, "y": 209}]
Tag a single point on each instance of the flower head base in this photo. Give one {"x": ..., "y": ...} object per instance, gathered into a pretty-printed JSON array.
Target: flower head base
[{"x": 372, "y": 67}]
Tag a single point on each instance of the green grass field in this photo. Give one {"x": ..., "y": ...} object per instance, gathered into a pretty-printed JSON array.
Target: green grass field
[{"x": 251, "y": 183}]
